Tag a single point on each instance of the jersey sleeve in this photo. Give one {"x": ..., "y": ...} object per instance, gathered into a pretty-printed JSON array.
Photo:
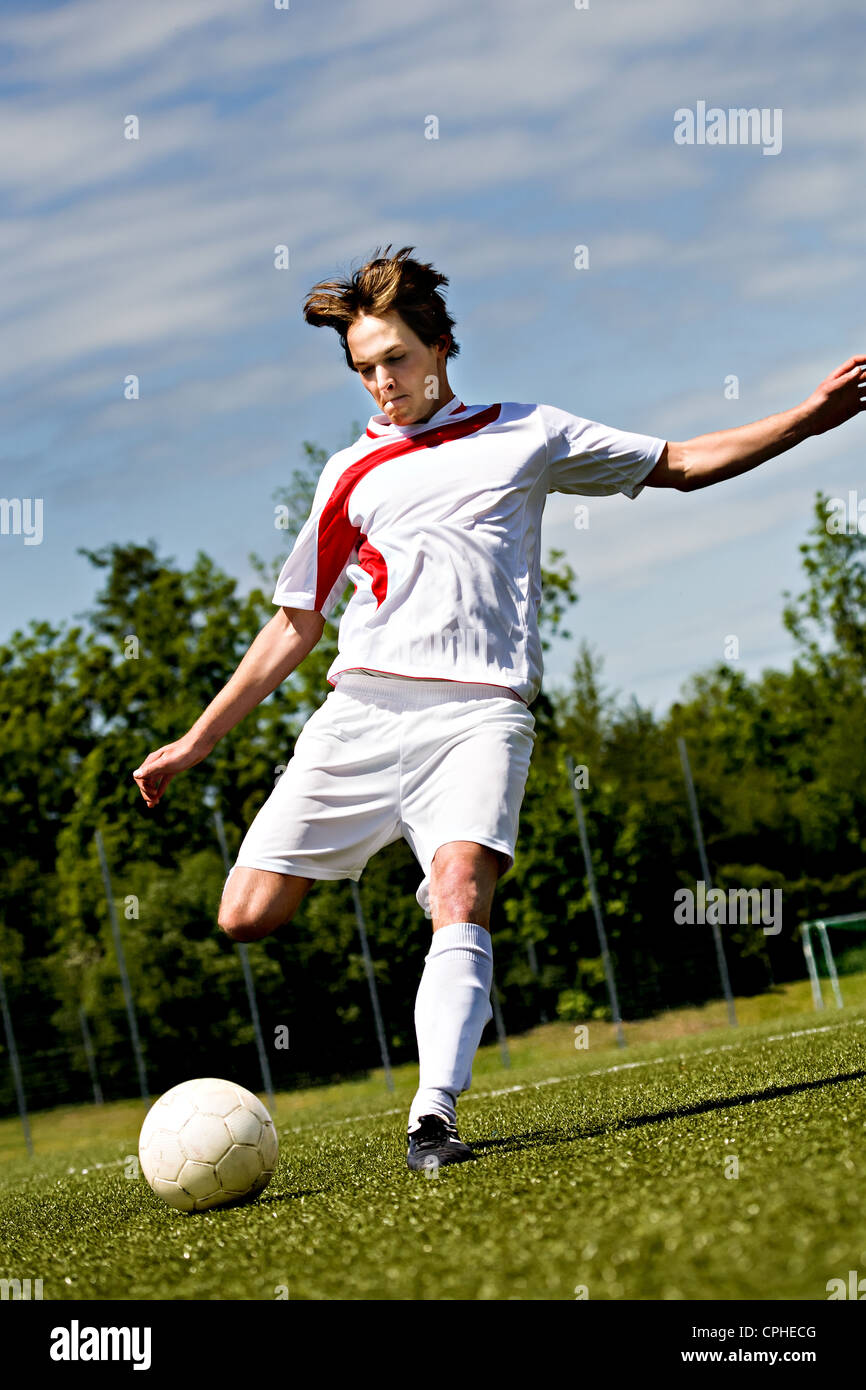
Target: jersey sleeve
[
  {"x": 315, "y": 574},
  {"x": 596, "y": 460}
]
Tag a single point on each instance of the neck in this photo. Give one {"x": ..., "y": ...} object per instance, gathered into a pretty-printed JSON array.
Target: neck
[{"x": 437, "y": 405}]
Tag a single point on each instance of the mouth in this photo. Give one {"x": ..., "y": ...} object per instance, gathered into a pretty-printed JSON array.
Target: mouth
[{"x": 392, "y": 400}]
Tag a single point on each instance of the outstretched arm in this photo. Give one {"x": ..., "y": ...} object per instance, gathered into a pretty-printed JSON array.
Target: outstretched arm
[
  {"x": 710, "y": 458},
  {"x": 279, "y": 648}
]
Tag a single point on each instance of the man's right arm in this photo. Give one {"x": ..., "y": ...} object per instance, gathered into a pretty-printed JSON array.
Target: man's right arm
[{"x": 278, "y": 650}]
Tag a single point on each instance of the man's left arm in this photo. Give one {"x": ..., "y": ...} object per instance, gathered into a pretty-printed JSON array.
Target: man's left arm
[{"x": 710, "y": 458}]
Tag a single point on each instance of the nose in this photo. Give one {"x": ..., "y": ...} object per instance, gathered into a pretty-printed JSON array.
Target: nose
[{"x": 384, "y": 380}]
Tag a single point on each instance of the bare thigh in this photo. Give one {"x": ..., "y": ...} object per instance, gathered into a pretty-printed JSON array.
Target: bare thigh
[{"x": 256, "y": 901}]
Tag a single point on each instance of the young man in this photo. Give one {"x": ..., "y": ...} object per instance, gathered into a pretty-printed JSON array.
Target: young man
[{"x": 434, "y": 515}]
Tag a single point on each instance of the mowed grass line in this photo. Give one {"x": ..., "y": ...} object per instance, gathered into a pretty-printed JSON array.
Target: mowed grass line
[{"x": 612, "y": 1178}]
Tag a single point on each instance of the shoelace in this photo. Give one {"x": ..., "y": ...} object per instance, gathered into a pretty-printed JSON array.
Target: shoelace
[{"x": 432, "y": 1131}]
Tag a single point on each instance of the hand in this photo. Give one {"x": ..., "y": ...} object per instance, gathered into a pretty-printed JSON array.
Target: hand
[
  {"x": 839, "y": 398},
  {"x": 158, "y": 768}
]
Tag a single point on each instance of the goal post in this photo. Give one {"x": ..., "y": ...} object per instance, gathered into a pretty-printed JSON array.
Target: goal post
[{"x": 852, "y": 957}]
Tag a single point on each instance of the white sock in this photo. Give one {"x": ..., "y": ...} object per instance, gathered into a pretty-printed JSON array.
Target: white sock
[{"x": 451, "y": 1010}]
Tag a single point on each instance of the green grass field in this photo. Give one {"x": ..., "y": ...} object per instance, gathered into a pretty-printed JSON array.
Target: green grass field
[{"x": 602, "y": 1168}]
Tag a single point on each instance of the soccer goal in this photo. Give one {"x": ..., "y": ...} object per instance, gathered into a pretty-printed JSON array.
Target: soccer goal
[{"x": 850, "y": 954}]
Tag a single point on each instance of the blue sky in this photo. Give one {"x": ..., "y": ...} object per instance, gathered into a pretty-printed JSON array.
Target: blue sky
[{"x": 306, "y": 127}]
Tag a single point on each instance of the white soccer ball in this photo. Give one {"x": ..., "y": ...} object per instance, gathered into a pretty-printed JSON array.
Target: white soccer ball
[{"x": 207, "y": 1143}]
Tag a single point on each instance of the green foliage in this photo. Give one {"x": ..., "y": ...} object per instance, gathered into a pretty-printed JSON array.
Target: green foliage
[{"x": 779, "y": 766}]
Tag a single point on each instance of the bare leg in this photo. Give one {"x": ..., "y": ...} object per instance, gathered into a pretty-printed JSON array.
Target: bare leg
[
  {"x": 256, "y": 901},
  {"x": 463, "y": 876}
]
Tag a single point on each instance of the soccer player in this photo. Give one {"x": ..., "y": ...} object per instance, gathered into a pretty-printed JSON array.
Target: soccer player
[{"x": 434, "y": 515}]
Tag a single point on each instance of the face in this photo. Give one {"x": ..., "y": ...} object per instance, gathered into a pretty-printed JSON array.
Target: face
[{"x": 406, "y": 379}]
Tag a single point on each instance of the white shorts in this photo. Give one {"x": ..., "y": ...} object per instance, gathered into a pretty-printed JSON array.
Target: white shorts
[{"x": 432, "y": 761}]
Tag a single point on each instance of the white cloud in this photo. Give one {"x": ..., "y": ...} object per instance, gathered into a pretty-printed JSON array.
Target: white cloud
[{"x": 306, "y": 127}]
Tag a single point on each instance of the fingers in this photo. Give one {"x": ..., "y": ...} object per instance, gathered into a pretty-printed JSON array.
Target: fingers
[
  {"x": 151, "y": 782},
  {"x": 151, "y": 791},
  {"x": 856, "y": 380},
  {"x": 848, "y": 366}
]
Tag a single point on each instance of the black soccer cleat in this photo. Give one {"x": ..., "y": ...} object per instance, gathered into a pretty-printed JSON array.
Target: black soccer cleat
[{"x": 434, "y": 1143}]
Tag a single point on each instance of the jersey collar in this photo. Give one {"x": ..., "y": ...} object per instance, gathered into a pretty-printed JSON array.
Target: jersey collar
[{"x": 382, "y": 427}]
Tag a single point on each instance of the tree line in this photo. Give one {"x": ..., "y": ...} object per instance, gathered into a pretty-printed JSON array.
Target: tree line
[{"x": 779, "y": 765}]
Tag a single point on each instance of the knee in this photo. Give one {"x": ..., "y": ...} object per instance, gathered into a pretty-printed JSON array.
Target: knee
[
  {"x": 463, "y": 873},
  {"x": 455, "y": 878},
  {"x": 462, "y": 885},
  {"x": 241, "y": 924}
]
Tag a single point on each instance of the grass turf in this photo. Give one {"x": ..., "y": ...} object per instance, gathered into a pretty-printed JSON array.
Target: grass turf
[{"x": 602, "y": 1169}]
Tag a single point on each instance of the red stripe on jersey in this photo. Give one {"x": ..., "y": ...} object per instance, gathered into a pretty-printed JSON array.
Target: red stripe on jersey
[
  {"x": 373, "y": 561},
  {"x": 337, "y": 535}
]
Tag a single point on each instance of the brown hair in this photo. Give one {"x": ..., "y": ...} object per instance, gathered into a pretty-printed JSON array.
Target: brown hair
[{"x": 407, "y": 286}]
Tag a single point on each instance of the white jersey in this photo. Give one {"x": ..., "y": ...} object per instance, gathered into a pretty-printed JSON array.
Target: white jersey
[{"x": 438, "y": 526}]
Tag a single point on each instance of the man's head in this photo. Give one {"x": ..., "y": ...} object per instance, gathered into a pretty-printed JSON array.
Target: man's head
[{"x": 395, "y": 332}]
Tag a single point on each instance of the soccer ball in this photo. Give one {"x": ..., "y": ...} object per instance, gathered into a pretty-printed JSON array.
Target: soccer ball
[{"x": 207, "y": 1143}]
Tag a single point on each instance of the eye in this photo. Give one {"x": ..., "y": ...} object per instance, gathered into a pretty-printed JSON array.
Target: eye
[{"x": 365, "y": 371}]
